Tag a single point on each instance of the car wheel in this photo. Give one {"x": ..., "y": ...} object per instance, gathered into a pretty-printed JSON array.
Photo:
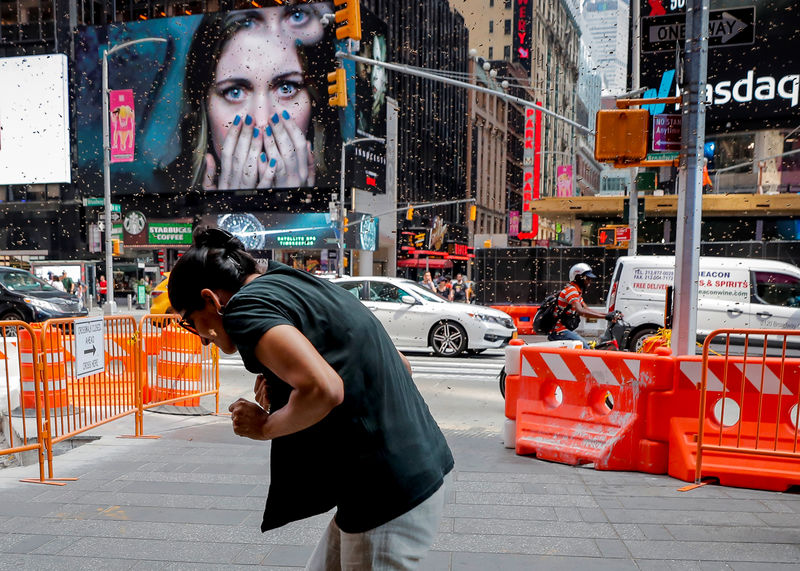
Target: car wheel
[
  {"x": 448, "y": 339},
  {"x": 10, "y": 316},
  {"x": 638, "y": 337}
]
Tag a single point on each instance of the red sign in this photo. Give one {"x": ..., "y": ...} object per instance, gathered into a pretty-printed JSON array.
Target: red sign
[
  {"x": 623, "y": 234},
  {"x": 123, "y": 125}
]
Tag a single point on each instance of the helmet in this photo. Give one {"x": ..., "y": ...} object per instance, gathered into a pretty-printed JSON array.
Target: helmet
[{"x": 581, "y": 269}]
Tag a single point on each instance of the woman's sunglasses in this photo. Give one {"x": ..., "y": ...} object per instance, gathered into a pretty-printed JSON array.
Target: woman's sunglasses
[{"x": 186, "y": 323}]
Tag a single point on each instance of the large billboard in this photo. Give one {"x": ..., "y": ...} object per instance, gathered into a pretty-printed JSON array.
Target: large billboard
[
  {"x": 753, "y": 72},
  {"x": 34, "y": 120},
  {"x": 232, "y": 101}
]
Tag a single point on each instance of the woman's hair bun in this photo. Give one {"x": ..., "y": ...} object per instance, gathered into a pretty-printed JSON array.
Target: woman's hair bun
[{"x": 213, "y": 238}]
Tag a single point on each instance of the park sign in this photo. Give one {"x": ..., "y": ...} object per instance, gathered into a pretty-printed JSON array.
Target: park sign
[{"x": 169, "y": 233}]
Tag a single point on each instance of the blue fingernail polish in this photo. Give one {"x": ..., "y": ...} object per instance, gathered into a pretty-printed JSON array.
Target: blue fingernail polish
[
  {"x": 263, "y": 157},
  {"x": 298, "y": 42},
  {"x": 275, "y": 118},
  {"x": 268, "y": 131},
  {"x": 255, "y": 132},
  {"x": 237, "y": 120},
  {"x": 248, "y": 120},
  {"x": 285, "y": 114},
  {"x": 272, "y": 162}
]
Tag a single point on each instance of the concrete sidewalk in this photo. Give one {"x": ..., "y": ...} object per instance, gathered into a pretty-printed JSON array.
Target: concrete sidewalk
[{"x": 194, "y": 498}]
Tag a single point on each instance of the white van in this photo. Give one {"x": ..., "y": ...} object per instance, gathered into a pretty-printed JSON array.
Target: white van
[{"x": 732, "y": 293}]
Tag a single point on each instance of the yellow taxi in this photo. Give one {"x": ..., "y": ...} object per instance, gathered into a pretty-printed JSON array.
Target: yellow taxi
[{"x": 159, "y": 300}]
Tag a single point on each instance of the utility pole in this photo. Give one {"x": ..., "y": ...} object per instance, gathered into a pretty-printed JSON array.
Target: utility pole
[
  {"x": 111, "y": 307},
  {"x": 690, "y": 178}
]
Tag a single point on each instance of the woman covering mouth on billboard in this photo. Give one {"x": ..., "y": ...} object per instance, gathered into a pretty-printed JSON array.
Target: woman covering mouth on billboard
[{"x": 251, "y": 100}]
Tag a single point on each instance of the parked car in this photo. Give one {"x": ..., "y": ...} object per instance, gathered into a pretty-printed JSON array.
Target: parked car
[
  {"x": 159, "y": 300},
  {"x": 736, "y": 293},
  {"x": 24, "y": 297},
  {"x": 416, "y": 317}
]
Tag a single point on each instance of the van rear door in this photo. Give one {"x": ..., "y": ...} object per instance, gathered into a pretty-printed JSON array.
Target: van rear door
[{"x": 723, "y": 298}]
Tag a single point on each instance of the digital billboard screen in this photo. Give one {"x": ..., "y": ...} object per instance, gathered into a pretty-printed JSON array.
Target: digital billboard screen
[
  {"x": 34, "y": 120},
  {"x": 753, "y": 74},
  {"x": 232, "y": 101}
]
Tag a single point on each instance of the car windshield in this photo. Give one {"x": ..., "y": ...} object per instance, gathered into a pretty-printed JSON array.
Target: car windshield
[
  {"x": 23, "y": 281},
  {"x": 422, "y": 292}
]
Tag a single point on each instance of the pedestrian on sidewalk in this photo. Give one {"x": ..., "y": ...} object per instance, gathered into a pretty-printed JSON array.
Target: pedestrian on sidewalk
[{"x": 348, "y": 426}]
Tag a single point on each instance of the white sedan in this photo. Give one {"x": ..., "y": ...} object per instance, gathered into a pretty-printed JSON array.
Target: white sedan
[{"x": 417, "y": 317}]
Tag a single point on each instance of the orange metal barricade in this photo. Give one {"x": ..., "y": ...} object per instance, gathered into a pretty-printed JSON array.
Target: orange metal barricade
[
  {"x": 22, "y": 428},
  {"x": 95, "y": 399},
  {"x": 747, "y": 432},
  {"x": 182, "y": 369},
  {"x": 39, "y": 370}
]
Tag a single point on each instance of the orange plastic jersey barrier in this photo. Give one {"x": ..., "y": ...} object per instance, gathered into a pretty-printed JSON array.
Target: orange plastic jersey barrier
[
  {"x": 522, "y": 315},
  {"x": 577, "y": 407}
]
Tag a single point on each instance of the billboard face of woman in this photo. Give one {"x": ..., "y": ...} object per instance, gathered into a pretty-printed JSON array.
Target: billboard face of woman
[{"x": 259, "y": 109}]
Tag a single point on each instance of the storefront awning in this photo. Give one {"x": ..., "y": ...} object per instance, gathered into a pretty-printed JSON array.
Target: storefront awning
[{"x": 432, "y": 263}]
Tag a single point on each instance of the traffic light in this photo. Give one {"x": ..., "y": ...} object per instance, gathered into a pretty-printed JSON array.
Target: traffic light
[
  {"x": 351, "y": 14},
  {"x": 607, "y": 236},
  {"x": 116, "y": 247},
  {"x": 337, "y": 88},
  {"x": 473, "y": 212},
  {"x": 410, "y": 213},
  {"x": 345, "y": 224},
  {"x": 621, "y": 135}
]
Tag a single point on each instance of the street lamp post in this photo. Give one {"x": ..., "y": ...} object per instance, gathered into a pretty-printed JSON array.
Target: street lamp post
[
  {"x": 345, "y": 144},
  {"x": 111, "y": 305}
]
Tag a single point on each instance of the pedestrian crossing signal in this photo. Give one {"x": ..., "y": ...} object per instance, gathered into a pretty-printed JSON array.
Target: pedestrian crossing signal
[{"x": 607, "y": 236}]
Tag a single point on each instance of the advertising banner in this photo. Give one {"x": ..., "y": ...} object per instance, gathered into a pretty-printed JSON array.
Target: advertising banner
[
  {"x": 513, "y": 223},
  {"x": 289, "y": 231},
  {"x": 232, "y": 101},
  {"x": 564, "y": 180},
  {"x": 122, "y": 121},
  {"x": 753, "y": 78},
  {"x": 522, "y": 30},
  {"x": 34, "y": 120}
]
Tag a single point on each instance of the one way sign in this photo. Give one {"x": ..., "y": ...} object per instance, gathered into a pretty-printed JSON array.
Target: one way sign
[{"x": 732, "y": 27}]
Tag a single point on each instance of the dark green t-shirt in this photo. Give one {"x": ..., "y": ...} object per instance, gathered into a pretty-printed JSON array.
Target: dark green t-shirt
[{"x": 375, "y": 456}]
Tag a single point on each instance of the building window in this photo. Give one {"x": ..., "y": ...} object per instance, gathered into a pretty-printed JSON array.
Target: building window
[
  {"x": 506, "y": 53},
  {"x": 507, "y": 5},
  {"x": 491, "y": 3},
  {"x": 491, "y": 52},
  {"x": 491, "y": 26},
  {"x": 507, "y": 27}
]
